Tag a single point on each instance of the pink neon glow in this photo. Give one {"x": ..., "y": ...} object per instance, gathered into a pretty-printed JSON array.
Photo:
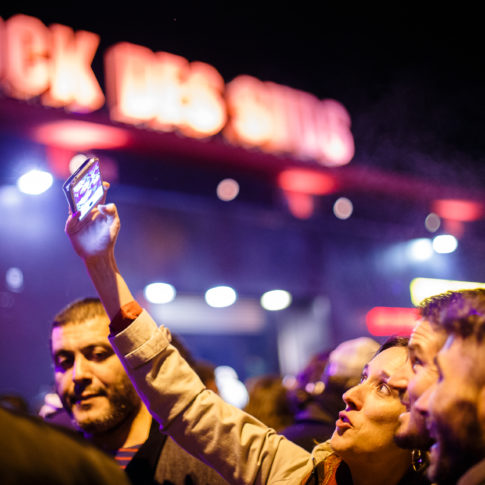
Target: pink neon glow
[
  {"x": 458, "y": 210},
  {"x": 251, "y": 120},
  {"x": 164, "y": 91},
  {"x": 281, "y": 119},
  {"x": 72, "y": 81},
  {"x": 305, "y": 181},
  {"x": 301, "y": 205},
  {"x": 54, "y": 62},
  {"x": 80, "y": 135},
  {"x": 385, "y": 321},
  {"x": 26, "y": 65}
]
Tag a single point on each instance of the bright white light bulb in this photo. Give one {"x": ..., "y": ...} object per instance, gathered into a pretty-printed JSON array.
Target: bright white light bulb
[
  {"x": 445, "y": 243},
  {"x": 231, "y": 389},
  {"x": 420, "y": 249},
  {"x": 14, "y": 279},
  {"x": 35, "y": 182},
  {"x": 220, "y": 296},
  {"x": 159, "y": 293},
  {"x": 275, "y": 300}
]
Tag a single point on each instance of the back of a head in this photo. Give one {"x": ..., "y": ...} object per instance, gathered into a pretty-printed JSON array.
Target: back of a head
[
  {"x": 330, "y": 373},
  {"x": 34, "y": 451},
  {"x": 346, "y": 361},
  {"x": 268, "y": 401}
]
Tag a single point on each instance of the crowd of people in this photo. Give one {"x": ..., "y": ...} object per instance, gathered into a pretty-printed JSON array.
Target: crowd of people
[{"x": 408, "y": 411}]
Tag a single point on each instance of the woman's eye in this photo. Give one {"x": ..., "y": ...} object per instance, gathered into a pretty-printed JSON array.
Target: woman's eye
[
  {"x": 363, "y": 378},
  {"x": 384, "y": 388}
]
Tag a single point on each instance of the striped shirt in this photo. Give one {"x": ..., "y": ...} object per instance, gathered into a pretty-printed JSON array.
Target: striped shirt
[{"x": 124, "y": 455}]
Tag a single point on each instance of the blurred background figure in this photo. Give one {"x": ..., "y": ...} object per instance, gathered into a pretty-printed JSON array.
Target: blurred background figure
[
  {"x": 269, "y": 401},
  {"x": 14, "y": 402},
  {"x": 206, "y": 371},
  {"x": 35, "y": 452},
  {"x": 53, "y": 411},
  {"x": 316, "y": 397}
]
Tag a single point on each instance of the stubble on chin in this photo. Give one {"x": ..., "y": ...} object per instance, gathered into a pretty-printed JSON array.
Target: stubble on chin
[
  {"x": 411, "y": 435},
  {"x": 116, "y": 407},
  {"x": 460, "y": 448}
]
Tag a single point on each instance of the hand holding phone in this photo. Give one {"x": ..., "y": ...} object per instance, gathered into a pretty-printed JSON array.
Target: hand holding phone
[{"x": 84, "y": 188}]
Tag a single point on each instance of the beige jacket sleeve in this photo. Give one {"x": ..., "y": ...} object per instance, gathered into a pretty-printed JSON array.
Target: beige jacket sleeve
[{"x": 239, "y": 447}]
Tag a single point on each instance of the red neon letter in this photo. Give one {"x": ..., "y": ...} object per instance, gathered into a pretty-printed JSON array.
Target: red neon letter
[
  {"x": 251, "y": 119},
  {"x": 73, "y": 83},
  {"x": 204, "y": 112},
  {"x": 164, "y": 91},
  {"x": 280, "y": 119},
  {"x": 26, "y": 65},
  {"x": 2, "y": 51},
  {"x": 169, "y": 70},
  {"x": 129, "y": 83},
  {"x": 336, "y": 140}
]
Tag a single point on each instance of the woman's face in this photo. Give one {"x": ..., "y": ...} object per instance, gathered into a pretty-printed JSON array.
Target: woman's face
[{"x": 370, "y": 419}]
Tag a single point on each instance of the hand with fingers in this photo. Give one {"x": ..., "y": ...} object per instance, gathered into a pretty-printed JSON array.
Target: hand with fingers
[{"x": 96, "y": 234}]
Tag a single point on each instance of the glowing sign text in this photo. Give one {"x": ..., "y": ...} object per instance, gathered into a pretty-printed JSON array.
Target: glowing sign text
[
  {"x": 52, "y": 62},
  {"x": 165, "y": 92}
]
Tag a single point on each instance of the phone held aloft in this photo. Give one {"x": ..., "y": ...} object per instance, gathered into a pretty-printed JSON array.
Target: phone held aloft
[{"x": 84, "y": 188}]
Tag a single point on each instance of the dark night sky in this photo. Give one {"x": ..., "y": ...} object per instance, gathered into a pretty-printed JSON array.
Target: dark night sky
[{"x": 413, "y": 79}]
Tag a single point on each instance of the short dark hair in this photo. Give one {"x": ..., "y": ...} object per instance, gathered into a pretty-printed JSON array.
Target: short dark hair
[
  {"x": 460, "y": 313},
  {"x": 393, "y": 341},
  {"x": 79, "y": 311}
]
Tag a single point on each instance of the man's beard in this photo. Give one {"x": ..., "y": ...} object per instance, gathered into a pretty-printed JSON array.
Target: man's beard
[
  {"x": 123, "y": 403},
  {"x": 457, "y": 452}
]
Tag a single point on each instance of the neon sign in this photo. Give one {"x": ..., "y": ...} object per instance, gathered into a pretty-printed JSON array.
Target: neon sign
[
  {"x": 54, "y": 63},
  {"x": 385, "y": 321},
  {"x": 165, "y": 92}
]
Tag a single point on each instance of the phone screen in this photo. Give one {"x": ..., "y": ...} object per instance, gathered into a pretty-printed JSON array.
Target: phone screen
[{"x": 88, "y": 190}]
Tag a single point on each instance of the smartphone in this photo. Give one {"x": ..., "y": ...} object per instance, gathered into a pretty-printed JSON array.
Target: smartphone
[{"x": 84, "y": 188}]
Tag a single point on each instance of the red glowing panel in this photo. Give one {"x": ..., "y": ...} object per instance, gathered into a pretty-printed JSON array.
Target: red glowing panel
[
  {"x": 80, "y": 135},
  {"x": 458, "y": 210},
  {"x": 385, "y": 321},
  {"x": 300, "y": 205},
  {"x": 306, "y": 181}
]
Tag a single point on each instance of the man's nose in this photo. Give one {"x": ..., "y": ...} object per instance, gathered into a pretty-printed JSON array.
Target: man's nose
[
  {"x": 81, "y": 369},
  {"x": 422, "y": 404}
]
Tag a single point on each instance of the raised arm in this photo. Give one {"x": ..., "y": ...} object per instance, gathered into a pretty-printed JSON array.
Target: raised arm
[
  {"x": 240, "y": 448},
  {"x": 94, "y": 239}
]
